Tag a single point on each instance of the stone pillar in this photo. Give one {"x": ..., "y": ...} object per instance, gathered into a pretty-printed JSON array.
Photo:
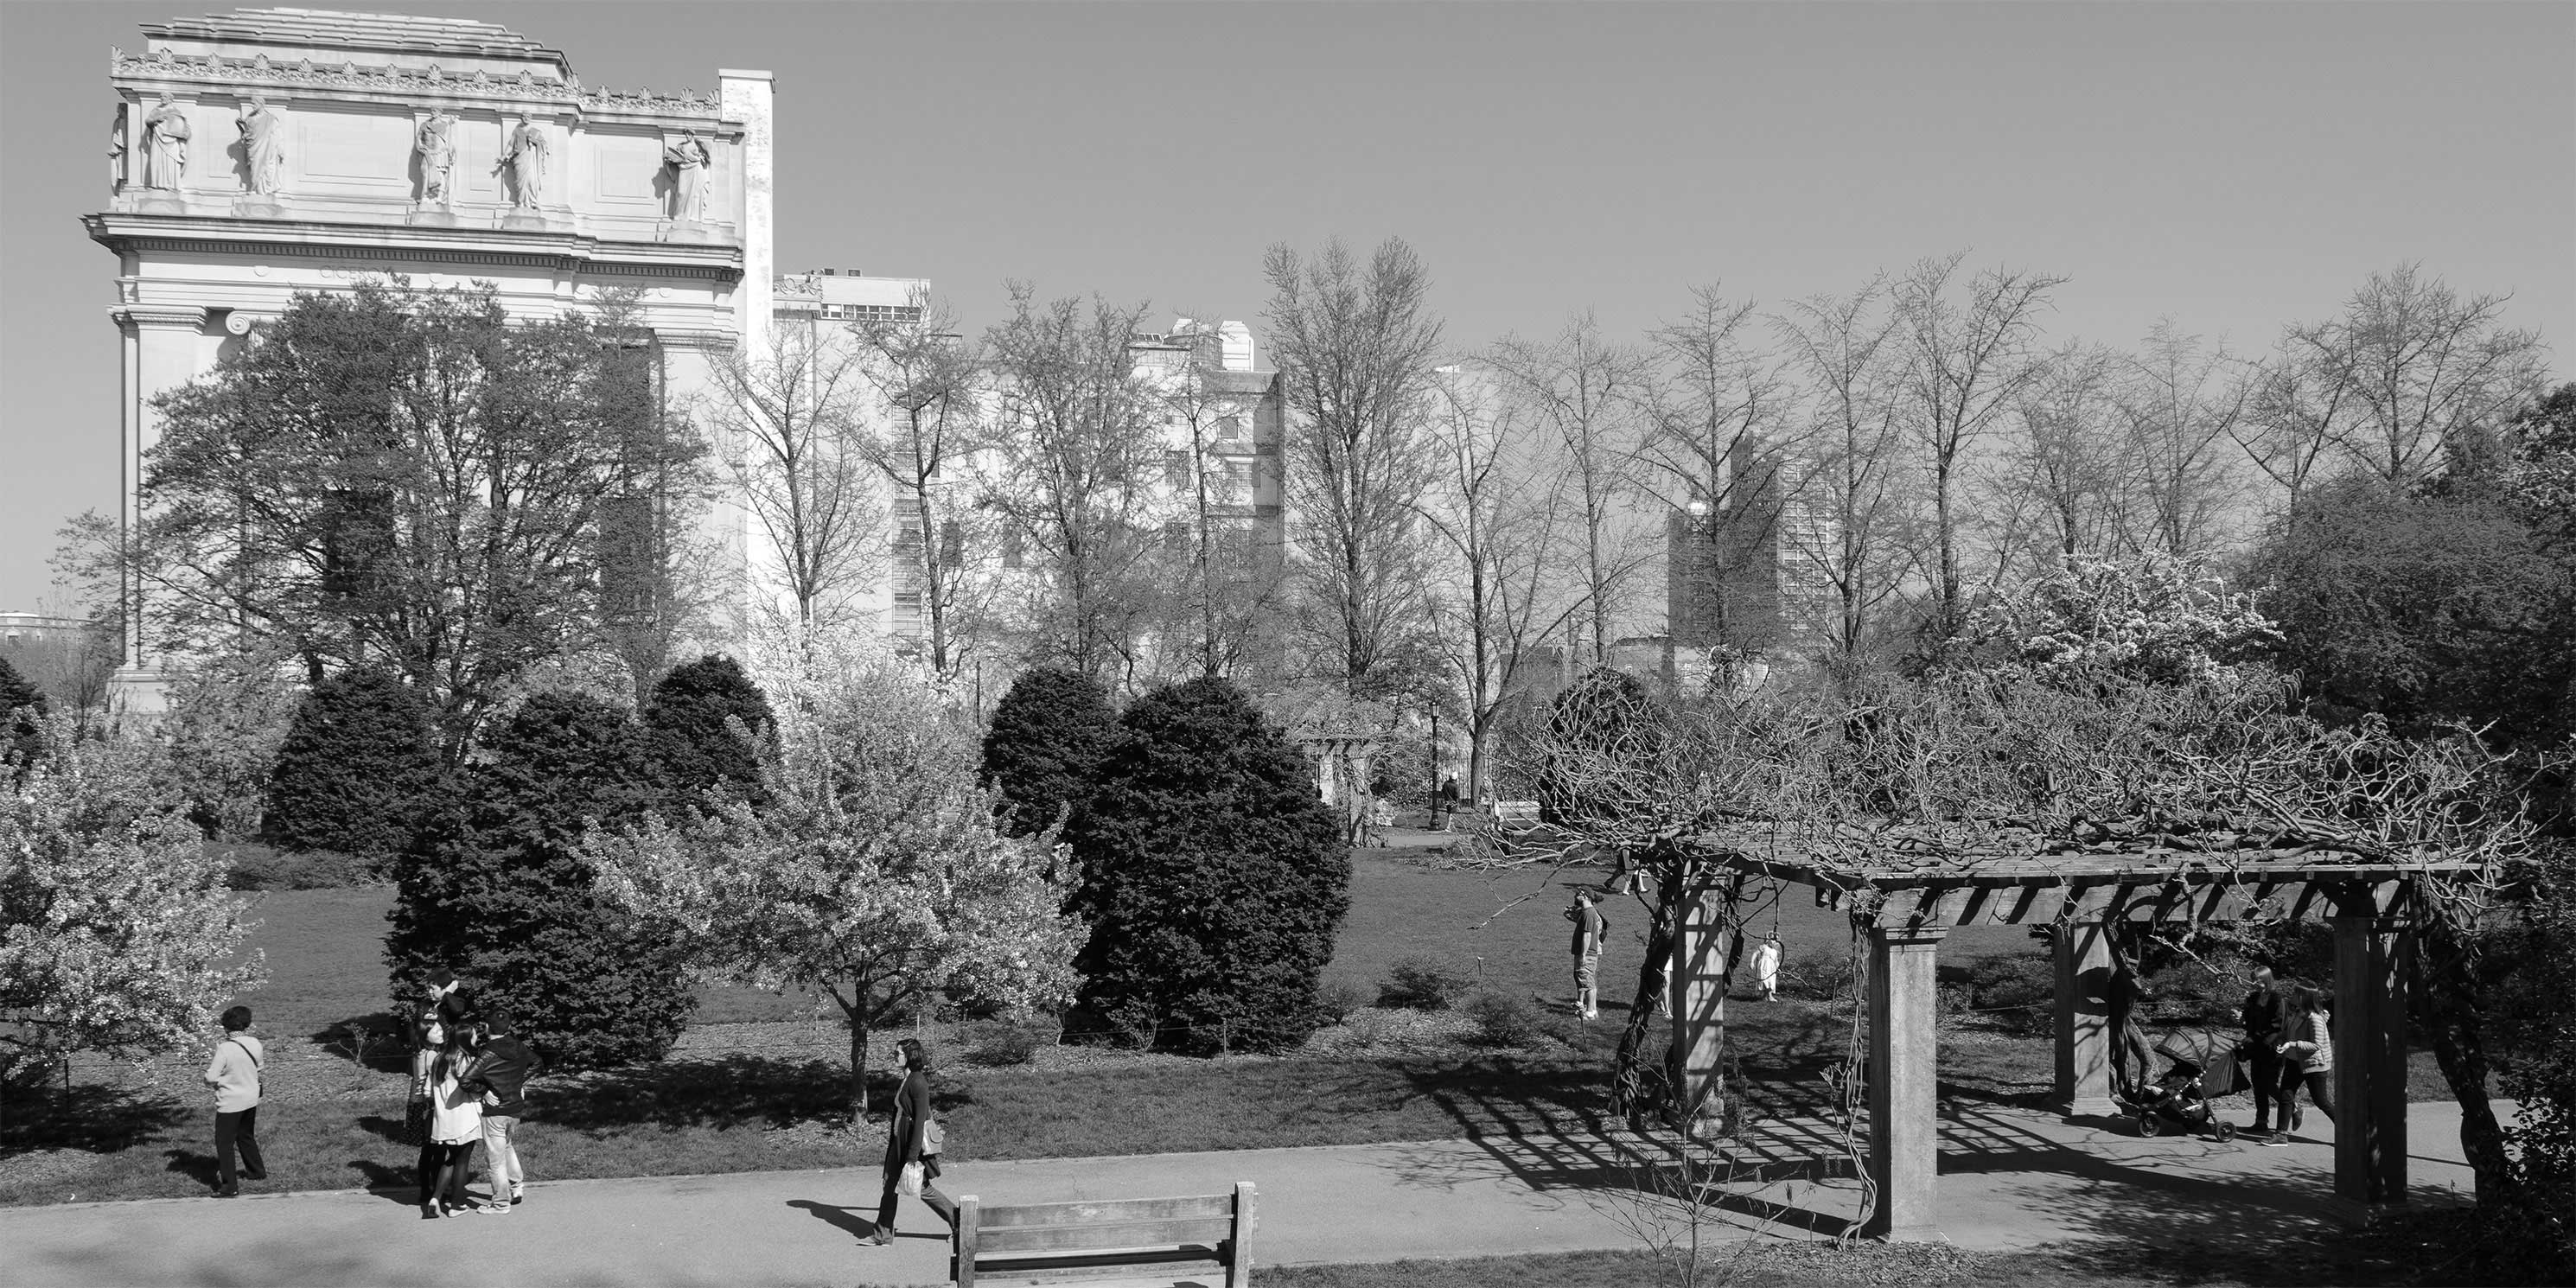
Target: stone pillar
[
  {"x": 2372, "y": 957},
  {"x": 746, "y": 96},
  {"x": 691, "y": 390},
  {"x": 164, "y": 347},
  {"x": 1697, "y": 988},
  {"x": 2083, "y": 952},
  {"x": 1904, "y": 1122}
]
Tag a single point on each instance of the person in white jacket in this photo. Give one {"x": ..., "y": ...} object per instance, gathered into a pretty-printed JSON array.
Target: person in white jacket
[
  {"x": 234, "y": 1074},
  {"x": 1766, "y": 967}
]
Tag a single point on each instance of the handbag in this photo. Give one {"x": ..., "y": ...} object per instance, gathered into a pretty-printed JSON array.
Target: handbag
[
  {"x": 933, "y": 1136},
  {"x": 909, "y": 1183}
]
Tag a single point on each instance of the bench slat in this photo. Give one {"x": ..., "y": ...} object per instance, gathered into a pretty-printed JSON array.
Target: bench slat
[
  {"x": 1081, "y": 1213},
  {"x": 1104, "y": 1235},
  {"x": 1023, "y": 1262}
]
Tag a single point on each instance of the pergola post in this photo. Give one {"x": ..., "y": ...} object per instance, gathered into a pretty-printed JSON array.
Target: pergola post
[
  {"x": 1697, "y": 988},
  {"x": 2083, "y": 952},
  {"x": 1904, "y": 1100},
  {"x": 2372, "y": 956}
]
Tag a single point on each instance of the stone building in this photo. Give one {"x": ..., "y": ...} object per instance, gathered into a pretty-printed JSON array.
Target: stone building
[
  {"x": 1744, "y": 567},
  {"x": 265, "y": 152}
]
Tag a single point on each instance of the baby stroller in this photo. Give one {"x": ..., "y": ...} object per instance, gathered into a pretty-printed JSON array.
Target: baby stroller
[{"x": 2203, "y": 1069}]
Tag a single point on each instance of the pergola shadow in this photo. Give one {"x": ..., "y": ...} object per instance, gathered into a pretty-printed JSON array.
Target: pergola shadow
[{"x": 1904, "y": 903}]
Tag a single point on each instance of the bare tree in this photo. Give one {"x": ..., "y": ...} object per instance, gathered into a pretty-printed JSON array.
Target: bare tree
[
  {"x": 932, "y": 427},
  {"x": 1589, "y": 396},
  {"x": 1079, "y": 434},
  {"x": 1496, "y": 594},
  {"x": 793, "y": 411},
  {"x": 1965, "y": 362},
  {"x": 1356, "y": 348},
  {"x": 2066, "y": 472},
  {"x": 1231, "y": 574},
  {"x": 1837, "y": 347},
  {"x": 2182, "y": 404},
  {"x": 2407, "y": 369}
]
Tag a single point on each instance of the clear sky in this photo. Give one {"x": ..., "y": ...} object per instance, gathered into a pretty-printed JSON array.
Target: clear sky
[{"x": 2234, "y": 166}]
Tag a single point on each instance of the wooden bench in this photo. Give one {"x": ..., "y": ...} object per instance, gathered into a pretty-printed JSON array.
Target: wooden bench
[
  {"x": 1513, "y": 813},
  {"x": 1045, "y": 1243}
]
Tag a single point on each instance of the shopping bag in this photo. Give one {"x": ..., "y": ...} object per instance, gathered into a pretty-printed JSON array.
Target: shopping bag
[{"x": 909, "y": 1184}]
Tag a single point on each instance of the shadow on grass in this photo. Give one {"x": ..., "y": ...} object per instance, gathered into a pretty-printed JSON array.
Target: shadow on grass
[
  {"x": 193, "y": 1165},
  {"x": 95, "y": 1118},
  {"x": 730, "y": 1091},
  {"x": 375, "y": 1040},
  {"x": 393, "y": 1183}
]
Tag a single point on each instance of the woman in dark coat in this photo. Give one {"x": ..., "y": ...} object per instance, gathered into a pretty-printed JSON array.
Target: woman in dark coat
[{"x": 912, "y": 1136}]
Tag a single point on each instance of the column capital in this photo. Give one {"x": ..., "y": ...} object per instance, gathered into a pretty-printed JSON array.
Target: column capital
[{"x": 158, "y": 315}]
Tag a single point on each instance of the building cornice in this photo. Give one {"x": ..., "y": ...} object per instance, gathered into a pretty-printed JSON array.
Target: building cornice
[
  {"x": 188, "y": 73},
  {"x": 315, "y": 239},
  {"x": 182, "y": 315}
]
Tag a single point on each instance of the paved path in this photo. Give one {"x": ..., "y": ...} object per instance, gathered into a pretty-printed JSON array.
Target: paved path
[{"x": 2010, "y": 1178}]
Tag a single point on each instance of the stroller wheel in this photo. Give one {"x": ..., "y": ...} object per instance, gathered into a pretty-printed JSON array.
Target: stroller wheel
[
  {"x": 2226, "y": 1131},
  {"x": 2149, "y": 1124}
]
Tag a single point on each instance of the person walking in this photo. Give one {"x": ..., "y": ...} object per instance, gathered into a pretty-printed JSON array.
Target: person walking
[
  {"x": 1449, "y": 803},
  {"x": 234, "y": 1074},
  {"x": 455, "y": 1123},
  {"x": 2262, "y": 1017},
  {"x": 2125, "y": 995},
  {"x": 1591, "y": 929},
  {"x": 2307, "y": 1056},
  {"x": 501, "y": 1071},
  {"x": 913, "y": 1139},
  {"x": 1766, "y": 967}
]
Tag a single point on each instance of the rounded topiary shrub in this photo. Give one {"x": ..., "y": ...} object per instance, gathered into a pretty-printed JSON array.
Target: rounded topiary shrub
[
  {"x": 1047, "y": 738},
  {"x": 1598, "y": 728},
  {"x": 692, "y": 718},
  {"x": 496, "y": 890},
  {"x": 356, "y": 769},
  {"x": 1213, "y": 877}
]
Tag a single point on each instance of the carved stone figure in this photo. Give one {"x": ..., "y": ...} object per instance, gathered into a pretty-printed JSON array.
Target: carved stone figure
[
  {"x": 116, "y": 149},
  {"x": 524, "y": 154},
  {"x": 688, "y": 160},
  {"x": 435, "y": 141},
  {"x": 263, "y": 144},
  {"x": 165, "y": 135}
]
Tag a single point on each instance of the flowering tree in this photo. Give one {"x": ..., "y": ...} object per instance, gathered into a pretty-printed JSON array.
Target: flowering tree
[
  {"x": 2161, "y": 618},
  {"x": 874, "y": 873},
  {"x": 116, "y": 931}
]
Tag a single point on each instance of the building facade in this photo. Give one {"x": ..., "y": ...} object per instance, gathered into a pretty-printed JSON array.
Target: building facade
[{"x": 266, "y": 152}]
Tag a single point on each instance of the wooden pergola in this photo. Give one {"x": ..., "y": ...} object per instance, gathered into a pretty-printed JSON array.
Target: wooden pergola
[{"x": 1903, "y": 910}]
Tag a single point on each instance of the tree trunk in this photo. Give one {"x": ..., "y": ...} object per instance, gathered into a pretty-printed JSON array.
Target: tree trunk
[
  {"x": 1634, "y": 1090},
  {"x": 2446, "y": 1007},
  {"x": 858, "y": 1064}
]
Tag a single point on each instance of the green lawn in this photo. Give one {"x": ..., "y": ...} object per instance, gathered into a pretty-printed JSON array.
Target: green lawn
[{"x": 727, "y": 1105}]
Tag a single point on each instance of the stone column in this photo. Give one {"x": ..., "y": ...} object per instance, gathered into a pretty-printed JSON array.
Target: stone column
[
  {"x": 746, "y": 97},
  {"x": 164, "y": 348},
  {"x": 2372, "y": 957},
  {"x": 2083, "y": 952},
  {"x": 1904, "y": 1122},
  {"x": 1697, "y": 988},
  {"x": 691, "y": 390}
]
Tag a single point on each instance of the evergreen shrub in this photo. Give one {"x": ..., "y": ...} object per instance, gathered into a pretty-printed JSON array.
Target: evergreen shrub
[
  {"x": 1048, "y": 736},
  {"x": 496, "y": 891},
  {"x": 687, "y": 718},
  {"x": 1419, "y": 983},
  {"x": 356, "y": 769},
  {"x": 1213, "y": 877},
  {"x": 22, "y": 708}
]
